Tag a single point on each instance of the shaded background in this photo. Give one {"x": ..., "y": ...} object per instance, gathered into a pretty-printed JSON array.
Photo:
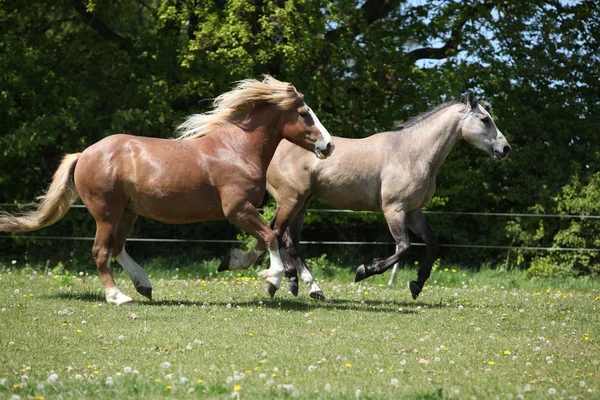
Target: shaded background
[{"x": 73, "y": 72}]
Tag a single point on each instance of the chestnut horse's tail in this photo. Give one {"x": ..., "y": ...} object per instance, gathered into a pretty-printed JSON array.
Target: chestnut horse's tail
[{"x": 54, "y": 205}]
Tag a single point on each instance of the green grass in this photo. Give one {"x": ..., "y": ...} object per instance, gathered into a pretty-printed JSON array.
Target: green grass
[{"x": 486, "y": 334}]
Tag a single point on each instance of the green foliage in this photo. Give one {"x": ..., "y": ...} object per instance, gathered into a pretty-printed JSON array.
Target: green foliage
[
  {"x": 73, "y": 72},
  {"x": 575, "y": 199}
]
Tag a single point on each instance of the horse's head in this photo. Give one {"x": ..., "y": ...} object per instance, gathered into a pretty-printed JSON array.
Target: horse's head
[
  {"x": 479, "y": 129},
  {"x": 301, "y": 126}
]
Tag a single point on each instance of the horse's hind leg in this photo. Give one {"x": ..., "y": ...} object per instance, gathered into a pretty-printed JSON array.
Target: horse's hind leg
[
  {"x": 396, "y": 220},
  {"x": 418, "y": 224},
  {"x": 138, "y": 275},
  {"x": 102, "y": 250}
]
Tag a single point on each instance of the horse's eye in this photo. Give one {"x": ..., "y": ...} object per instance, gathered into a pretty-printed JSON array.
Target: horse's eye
[
  {"x": 304, "y": 114},
  {"x": 486, "y": 120}
]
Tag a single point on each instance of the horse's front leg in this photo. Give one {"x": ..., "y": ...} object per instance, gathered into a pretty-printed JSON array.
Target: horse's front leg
[
  {"x": 417, "y": 223},
  {"x": 246, "y": 217},
  {"x": 396, "y": 220}
]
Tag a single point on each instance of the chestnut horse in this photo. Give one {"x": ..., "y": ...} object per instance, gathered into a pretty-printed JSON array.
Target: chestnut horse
[
  {"x": 389, "y": 172},
  {"x": 217, "y": 171}
]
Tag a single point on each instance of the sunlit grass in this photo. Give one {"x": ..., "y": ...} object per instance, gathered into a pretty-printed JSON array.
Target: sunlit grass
[{"x": 486, "y": 334}]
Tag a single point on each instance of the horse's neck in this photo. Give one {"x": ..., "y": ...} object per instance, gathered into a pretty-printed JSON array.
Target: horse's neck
[
  {"x": 260, "y": 136},
  {"x": 433, "y": 140}
]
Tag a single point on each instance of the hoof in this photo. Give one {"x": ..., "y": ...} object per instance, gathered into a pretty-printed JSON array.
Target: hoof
[
  {"x": 271, "y": 289},
  {"x": 318, "y": 296},
  {"x": 415, "y": 289},
  {"x": 224, "y": 264},
  {"x": 292, "y": 285},
  {"x": 145, "y": 291},
  {"x": 361, "y": 273}
]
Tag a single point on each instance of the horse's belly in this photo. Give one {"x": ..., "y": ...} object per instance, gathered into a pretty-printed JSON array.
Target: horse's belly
[
  {"x": 350, "y": 197},
  {"x": 180, "y": 208}
]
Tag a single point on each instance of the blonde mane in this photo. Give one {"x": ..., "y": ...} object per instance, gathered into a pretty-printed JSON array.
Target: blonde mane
[{"x": 245, "y": 95}]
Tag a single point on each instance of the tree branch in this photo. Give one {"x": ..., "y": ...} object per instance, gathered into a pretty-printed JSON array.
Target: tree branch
[
  {"x": 467, "y": 14},
  {"x": 371, "y": 12},
  {"x": 104, "y": 31}
]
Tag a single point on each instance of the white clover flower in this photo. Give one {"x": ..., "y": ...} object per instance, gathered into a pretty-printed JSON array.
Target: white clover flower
[
  {"x": 311, "y": 368},
  {"x": 229, "y": 379},
  {"x": 581, "y": 383},
  {"x": 168, "y": 377},
  {"x": 40, "y": 386},
  {"x": 109, "y": 381},
  {"x": 551, "y": 391},
  {"x": 78, "y": 376},
  {"x": 460, "y": 307},
  {"x": 262, "y": 376},
  {"x": 15, "y": 397},
  {"x": 527, "y": 388},
  {"x": 2, "y": 381},
  {"x": 394, "y": 382},
  {"x": 328, "y": 387},
  {"x": 121, "y": 337},
  {"x": 135, "y": 372},
  {"x": 165, "y": 365},
  {"x": 197, "y": 341},
  {"x": 13, "y": 262},
  {"x": 127, "y": 370},
  {"x": 188, "y": 347},
  {"x": 270, "y": 382},
  {"x": 183, "y": 380},
  {"x": 52, "y": 378}
]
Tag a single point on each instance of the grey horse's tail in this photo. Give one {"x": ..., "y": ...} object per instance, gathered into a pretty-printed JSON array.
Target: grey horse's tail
[{"x": 54, "y": 204}]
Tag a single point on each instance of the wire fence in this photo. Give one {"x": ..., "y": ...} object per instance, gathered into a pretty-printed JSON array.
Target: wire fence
[{"x": 348, "y": 243}]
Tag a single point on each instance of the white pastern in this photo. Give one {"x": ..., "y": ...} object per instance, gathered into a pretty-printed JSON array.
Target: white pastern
[
  {"x": 243, "y": 260},
  {"x": 114, "y": 296},
  {"x": 309, "y": 279},
  {"x": 274, "y": 275},
  {"x": 138, "y": 275},
  {"x": 394, "y": 272}
]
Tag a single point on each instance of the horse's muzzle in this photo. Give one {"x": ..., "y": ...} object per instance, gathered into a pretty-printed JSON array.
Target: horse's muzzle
[
  {"x": 502, "y": 154},
  {"x": 323, "y": 153}
]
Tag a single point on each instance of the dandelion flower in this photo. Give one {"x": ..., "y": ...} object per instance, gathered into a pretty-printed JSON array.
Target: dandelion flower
[
  {"x": 348, "y": 365},
  {"x": 237, "y": 388}
]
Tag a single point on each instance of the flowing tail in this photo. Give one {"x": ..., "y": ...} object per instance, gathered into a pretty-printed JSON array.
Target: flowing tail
[{"x": 54, "y": 205}]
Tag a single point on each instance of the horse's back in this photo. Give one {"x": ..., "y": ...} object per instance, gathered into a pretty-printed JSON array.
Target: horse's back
[
  {"x": 162, "y": 179},
  {"x": 349, "y": 178}
]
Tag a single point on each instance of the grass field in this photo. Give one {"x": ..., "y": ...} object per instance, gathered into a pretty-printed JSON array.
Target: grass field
[{"x": 470, "y": 335}]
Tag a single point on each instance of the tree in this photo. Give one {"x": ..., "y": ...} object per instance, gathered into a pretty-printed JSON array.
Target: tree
[{"x": 72, "y": 72}]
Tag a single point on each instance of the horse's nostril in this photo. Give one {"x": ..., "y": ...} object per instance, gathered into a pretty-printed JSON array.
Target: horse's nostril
[
  {"x": 506, "y": 150},
  {"x": 327, "y": 150}
]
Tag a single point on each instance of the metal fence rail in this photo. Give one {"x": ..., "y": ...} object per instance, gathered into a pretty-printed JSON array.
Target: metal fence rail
[{"x": 346, "y": 243}]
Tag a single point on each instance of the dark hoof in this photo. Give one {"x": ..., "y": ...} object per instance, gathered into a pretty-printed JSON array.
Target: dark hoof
[
  {"x": 318, "y": 296},
  {"x": 292, "y": 285},
  {"x": 224, "y": 264},
  {"x": 145, "y": 291},
  {"x": 361, "y": 273},
  {"x": 415, "y": 289},
  {"x": 271, "y": 289}
]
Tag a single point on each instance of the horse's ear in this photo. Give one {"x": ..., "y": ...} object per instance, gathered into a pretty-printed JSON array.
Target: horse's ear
[{"x": 469, "y": 98}]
